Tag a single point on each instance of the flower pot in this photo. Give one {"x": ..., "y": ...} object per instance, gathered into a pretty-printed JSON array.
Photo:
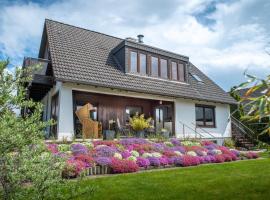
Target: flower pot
[
  {"x": 140, "y": 134},
  {"x": 108, "y": 134}
]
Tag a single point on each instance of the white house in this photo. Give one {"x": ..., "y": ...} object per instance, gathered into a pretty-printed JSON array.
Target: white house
[{"x": 120, "y": 77}]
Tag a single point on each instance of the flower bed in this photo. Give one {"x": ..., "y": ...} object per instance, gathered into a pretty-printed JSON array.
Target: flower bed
[{"x": 133, "y": 154}]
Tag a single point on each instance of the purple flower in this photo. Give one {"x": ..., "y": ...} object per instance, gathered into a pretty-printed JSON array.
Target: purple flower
[
  {"x": 175, "y": 141},
  {"x": 125, "y": 154},
  {"x": 178, "y": 148},
  {"x": 154, "y": 161},
  {"x": 142, "y": 162},
  {"x": 103, "y": 161},
  {"x": 130, "y": 141},
  {"x": 105, "y": 151},
  {"x": 79, "y": 149},
  {"x": 211, "y": 153},
  {"x": 159, "y": 147},
  {"x": 207, "y": 159},
  {"x": 212, "y": 159},
  {"x": 211, "y": 146}
]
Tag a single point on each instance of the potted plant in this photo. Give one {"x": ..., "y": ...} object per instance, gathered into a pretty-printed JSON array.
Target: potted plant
[
  {"x": 110, "y": 134},
  {"x": 138, "y": 123}
]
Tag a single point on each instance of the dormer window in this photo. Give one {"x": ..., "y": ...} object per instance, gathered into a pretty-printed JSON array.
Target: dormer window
[
  {"x": 143, "y": 64},
  {"x": 157, "y": 66},
  {"x": 174, "y": 71},
  {"x": 154, "y": 66},
  {"x": 133, "y": 62},
  {"x": 163, "y": 68}
]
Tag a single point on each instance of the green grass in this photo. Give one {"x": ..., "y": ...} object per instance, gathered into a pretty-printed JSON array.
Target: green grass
[{"x": 237, "y": 180}]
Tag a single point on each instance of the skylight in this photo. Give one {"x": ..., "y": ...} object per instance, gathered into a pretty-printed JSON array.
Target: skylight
[{"x": 197, "y": 78}]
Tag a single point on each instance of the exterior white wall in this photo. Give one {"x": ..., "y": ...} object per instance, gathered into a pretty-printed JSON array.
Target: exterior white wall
[
  {"x": 185, "y": 117},
  {"x": 184, "y": 111}
]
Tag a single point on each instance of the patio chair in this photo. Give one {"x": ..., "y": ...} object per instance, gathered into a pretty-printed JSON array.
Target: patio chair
[
  {"x": 123, "y": 130},
  {"x": 89, "y": 126}
]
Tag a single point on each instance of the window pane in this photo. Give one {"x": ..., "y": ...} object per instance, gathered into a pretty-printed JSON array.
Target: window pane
[
  {"x": 181, "y": 72},
  {"x": 164, "y": 68},
  {"x": 209, "y": 116},
  {"x": 133, "y": 61},
  {"x": 174, "y": 70},
  {"x": 131, "y": 111},
  {"x": 199, "y": 116},
  {"x": 154, "y": 66},
  {"x": 143, "y": 64}
]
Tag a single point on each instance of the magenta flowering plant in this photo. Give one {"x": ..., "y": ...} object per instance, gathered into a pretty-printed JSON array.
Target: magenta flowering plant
[
  {"x": 235, "y": 152},
  {"x": 181, "y": 149},
  {"x": 190, "y": 160},
  {"x": 219, "y": 158},
  {"x": 53, "y": 148},
  {"x": 142, "y": 162},
  {"x": 125, "y": 154},
  {"x": 123, "y": 166},
  {"x": 163, "y": 161},
  {"x": 251, "y": 155}
]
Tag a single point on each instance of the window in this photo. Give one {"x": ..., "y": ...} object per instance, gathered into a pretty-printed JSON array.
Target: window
[
  {"x": 143, "y": 64},
  {"x": 133, "y": 61},
  {"x": 197, "y": 78},
  {"x": 174, "y": 71},
  {"x": 163, "y": 68},
  {"x": 181, "y": 69},
  {"x": 154, "y": 66},
  {"x": 131, "y": 111},
  {"x": 205, "y": 116}
]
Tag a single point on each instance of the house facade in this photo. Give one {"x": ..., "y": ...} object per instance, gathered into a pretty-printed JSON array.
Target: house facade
[{"x": 120, "y": 77}]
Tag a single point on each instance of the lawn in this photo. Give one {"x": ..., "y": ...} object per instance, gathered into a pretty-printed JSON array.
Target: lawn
[{"x": 249, "y": 179}]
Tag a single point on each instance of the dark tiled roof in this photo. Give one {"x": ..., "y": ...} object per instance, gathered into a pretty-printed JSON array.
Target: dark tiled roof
[{"x": 82, "y": 56}]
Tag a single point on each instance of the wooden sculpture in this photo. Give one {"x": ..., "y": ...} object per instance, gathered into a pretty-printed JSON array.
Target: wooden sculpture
[{"x": 89, "y": 126}]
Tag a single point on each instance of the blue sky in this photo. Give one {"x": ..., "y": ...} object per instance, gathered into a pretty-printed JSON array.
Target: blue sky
[{"x": 222, "y": 38}]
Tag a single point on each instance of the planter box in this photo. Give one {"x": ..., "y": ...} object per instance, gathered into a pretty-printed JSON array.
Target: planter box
[
  {"x": 108, "y": 134},
  {"x": 99, "y": 170}
]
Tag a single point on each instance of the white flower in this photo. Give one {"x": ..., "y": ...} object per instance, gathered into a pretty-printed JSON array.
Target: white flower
[
  {"x": 191, "y": 153},
  {"x": 146, "y": 155},
  {"x": 135, "y": 153},
  {"x": 156, "y": 154},
  {"x": 117, "y": 155},
  {"x": 204, "y": 153},
  {"x": 178, "y": 153},
  {"x": 217, "y": 151}
]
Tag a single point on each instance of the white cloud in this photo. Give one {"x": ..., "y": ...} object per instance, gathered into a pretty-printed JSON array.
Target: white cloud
[{"x": 235, "y": 42}]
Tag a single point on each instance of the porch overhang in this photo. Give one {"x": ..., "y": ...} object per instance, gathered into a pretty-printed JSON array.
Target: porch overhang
[{"x": 40, "y": 86}]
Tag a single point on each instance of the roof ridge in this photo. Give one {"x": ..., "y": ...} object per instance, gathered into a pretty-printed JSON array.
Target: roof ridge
[{"x": 63, "y": 23}]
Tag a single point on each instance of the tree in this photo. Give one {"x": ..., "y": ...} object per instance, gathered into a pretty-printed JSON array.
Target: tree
[
  {"x": 27, "y": 169},
  {"x": 255, "y": 109}
]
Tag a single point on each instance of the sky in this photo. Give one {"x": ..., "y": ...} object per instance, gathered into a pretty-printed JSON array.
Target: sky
[{"x": 222, "y": 38}]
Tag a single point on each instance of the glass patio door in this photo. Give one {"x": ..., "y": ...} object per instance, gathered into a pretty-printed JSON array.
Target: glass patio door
[{"x": 159, "y": 118}]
